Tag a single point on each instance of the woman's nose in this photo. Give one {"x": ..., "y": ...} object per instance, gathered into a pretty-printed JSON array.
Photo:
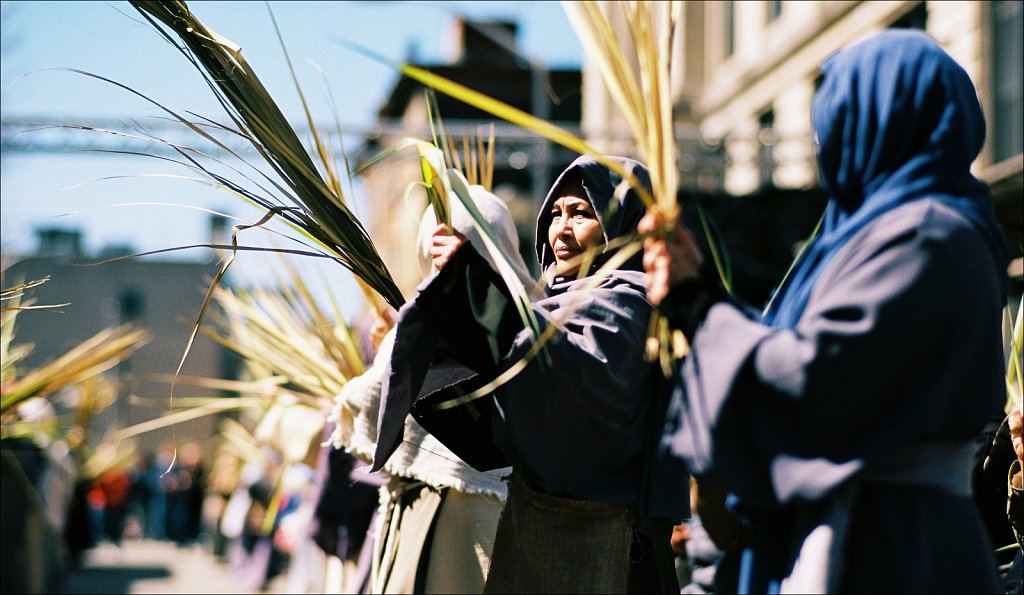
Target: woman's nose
[{"x": 562, "y": 226}]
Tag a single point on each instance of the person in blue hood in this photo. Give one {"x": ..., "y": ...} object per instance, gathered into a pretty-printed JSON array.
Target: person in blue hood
[
  {"x": 576, "y": 422},
  {"x": 842, "y": 420}
]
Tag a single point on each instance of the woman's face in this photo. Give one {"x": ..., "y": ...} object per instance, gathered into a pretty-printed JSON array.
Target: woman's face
[{"x": 574, "y": 228}]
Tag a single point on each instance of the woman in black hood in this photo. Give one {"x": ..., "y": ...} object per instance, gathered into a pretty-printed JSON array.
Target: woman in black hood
[{"x": 576, "y": 422}]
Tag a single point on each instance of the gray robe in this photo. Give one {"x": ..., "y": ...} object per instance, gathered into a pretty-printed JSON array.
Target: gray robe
[{"x": 893, "y": 367}]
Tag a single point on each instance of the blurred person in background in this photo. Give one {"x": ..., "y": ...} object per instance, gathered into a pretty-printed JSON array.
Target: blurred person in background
[
  {"x": 842, "y": 420},
  {"x": 251, "y": 554},
  {"x": 221, "y": 483},
  {"x": 36, "y": 487},
  {"x": 156, "y": 507},
  {"x": 346, "y": 503},
  {"x": 184, "y": 489},
  {"x": 116, "y": 485},
  {"x": 305, "y": 569}
]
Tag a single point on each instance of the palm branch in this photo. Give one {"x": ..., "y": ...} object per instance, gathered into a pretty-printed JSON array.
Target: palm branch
[
  {"x": 643, "y": 95},
  {"x": 313, "y": 202},
  {"x": 95, "y": 355}
]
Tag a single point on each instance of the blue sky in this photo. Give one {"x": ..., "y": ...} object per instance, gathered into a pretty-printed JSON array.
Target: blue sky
[{"x": 110, "y": 39}]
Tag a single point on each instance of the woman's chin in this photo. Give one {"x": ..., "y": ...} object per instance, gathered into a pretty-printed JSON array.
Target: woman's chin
[{"x": 567, "y": 268}]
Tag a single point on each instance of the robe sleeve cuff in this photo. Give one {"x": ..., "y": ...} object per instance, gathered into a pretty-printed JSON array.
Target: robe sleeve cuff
[{"x": 470, "y": 307}]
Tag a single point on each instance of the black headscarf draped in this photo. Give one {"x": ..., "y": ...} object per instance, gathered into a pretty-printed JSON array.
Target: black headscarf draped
[{"x": 616, "y": 203}]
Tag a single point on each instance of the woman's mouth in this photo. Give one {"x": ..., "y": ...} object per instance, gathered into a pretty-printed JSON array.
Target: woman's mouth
[{"x": 564, "y": 252}]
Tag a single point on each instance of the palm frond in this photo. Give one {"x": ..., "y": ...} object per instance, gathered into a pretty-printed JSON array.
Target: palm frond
[
  {"x": 95, "y": 355},
  {"x": 315, "y": 203},
  {"x": 213, "y": 406},
  {"x": 14, "y": 294},
  {"x": 643, "y": 94}
]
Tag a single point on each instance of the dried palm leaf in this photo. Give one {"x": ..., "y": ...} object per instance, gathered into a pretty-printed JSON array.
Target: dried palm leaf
[
  {"x": 212, "y": 406},
  {"x": 95, "y": 355},
  {"x": 108, "y": 456},
  {"x": 1013, "y": 329},
  {"x": 297, "y": 358},
  {"x": 13, "y": 296}
]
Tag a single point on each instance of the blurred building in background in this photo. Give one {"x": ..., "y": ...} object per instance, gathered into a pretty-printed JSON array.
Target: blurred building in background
[{"x": 161, "y": 296}]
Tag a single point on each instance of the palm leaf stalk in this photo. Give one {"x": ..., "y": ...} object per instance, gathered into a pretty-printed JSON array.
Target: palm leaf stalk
[
  {"x": 479, "y": 166},
  {"x": 478, "y": 154},
  {"x": 316, "y": 206},
  {"x": 271, "y": 332},
  {"x": 643, "y": 95},
  {"x": 211, "y": 406},
  {"x": 436, "y": 185}
]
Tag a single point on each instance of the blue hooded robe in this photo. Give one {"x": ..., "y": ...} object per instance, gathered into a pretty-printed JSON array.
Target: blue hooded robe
[{"x": 842, "y": 422}]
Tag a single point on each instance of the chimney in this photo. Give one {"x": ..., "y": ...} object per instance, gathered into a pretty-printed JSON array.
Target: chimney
[
  {"x": 55, "y": 242},
  {"x": 219, "y": 229},
  {"x": 493, "y": 43}
]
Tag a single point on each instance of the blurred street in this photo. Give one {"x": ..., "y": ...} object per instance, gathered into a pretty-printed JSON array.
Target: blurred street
[{"x": 148, "y": 566}]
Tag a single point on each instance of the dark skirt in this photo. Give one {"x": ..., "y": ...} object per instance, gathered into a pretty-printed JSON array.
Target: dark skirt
[{"x": 552, "y": 544}]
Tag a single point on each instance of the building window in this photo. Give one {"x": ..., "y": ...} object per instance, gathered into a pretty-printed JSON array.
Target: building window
[
  {"x": 773, "y": 9},
  {"x": 132, "y": 305},
  {"x": 766, "y": 141},
  {"x": 917, "y": 18},
  {"x": 729, "y": 10},
  {"x": 1007, "y": 111}
]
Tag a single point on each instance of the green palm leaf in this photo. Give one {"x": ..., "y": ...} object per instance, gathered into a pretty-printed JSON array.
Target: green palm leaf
[{"x": 317, "y": 206}]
